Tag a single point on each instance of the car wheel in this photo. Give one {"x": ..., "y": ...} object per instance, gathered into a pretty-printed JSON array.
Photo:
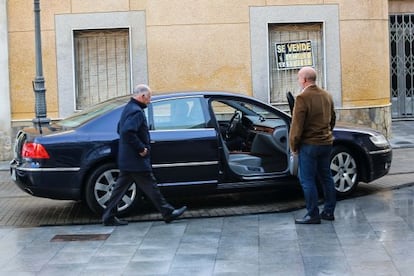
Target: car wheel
[
  {"x": 99, "y": 189},
  {"x": 344, "y": 169}
]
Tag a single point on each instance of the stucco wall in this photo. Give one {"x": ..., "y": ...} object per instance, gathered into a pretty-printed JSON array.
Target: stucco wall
[
  {"x": 365, "y": 53},
  {"x": 401, "y": 6},
  {"x": 365, "y": 64},
  {"x": 205, "y": 44}
]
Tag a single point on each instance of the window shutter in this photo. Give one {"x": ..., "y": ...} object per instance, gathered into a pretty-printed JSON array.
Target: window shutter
[{"x": 102, "y": 65}]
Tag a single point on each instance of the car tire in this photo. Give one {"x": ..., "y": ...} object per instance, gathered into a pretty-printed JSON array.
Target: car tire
[
  {"x": 99, "y": 189},
  {"x": 344, "y": 169}
]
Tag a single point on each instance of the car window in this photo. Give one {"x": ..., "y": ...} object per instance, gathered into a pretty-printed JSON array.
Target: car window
[
  {"x": 224, "y": 110},
  {"x": 227, "y": 110},
  {"x": 183, "y": 113},
  {"x": 90, "y": 113}
]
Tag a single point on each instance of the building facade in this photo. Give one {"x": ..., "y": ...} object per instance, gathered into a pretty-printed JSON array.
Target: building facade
[{"x": 93, "y": 52}]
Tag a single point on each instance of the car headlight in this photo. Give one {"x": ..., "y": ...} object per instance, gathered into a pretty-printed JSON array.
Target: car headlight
[{"x": 379, "y": 140}]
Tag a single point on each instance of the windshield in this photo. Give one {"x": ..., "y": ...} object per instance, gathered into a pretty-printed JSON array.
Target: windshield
[{"x": 88, "y": 114}]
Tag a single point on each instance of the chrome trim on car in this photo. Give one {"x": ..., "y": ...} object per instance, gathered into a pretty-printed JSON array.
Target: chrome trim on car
[
  {"x": 187, "y": 183},
  {"x": 380, "y": 151},
  {"x": 48, "y": 169},
  {"x": 185, "y": 164}
]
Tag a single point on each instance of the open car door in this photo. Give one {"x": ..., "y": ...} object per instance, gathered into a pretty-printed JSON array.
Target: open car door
[
  {"x": 293, "y": 158},
  {"x": 291, "y": 101}
]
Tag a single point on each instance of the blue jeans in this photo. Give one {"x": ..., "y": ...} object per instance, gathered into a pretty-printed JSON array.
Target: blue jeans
[{"x": 314, "y": 164}]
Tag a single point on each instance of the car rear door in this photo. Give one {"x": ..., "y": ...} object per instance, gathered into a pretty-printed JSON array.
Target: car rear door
[{"x": 184, "y": 149}]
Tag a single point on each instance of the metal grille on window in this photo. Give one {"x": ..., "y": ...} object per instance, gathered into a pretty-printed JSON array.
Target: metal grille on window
[
  {"x": 284, "y": 78},
  {"x": 402, "y": 65},
  {"x": 102, "y": 65}
]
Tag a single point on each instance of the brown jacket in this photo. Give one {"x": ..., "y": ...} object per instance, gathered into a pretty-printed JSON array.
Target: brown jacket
[{"x": 313, "y": 118}]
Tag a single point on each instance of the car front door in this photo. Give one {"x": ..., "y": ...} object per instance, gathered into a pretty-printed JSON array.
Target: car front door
[
  {"x": 254, "y": 137},
  {"x": 184, "y": 149}
]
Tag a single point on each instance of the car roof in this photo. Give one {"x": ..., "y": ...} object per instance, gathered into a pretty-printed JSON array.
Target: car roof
[
  {"x": 179, "y": 94},
  {"x": 166, "y": 95}
]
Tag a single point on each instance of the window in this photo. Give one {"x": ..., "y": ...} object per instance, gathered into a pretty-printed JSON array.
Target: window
[
  {"x": 102, "y": 65},
  {"x": 225, "y": 110},
  {"x": 282, "y": 79},
  {"x": 184, "y": 113},
  {"x": 262, "y": 21}
]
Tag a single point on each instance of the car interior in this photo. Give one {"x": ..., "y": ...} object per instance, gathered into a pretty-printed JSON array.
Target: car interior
[{"x": 254, "y": 140}]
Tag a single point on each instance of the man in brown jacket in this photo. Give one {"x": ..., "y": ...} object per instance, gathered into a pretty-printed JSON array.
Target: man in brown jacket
[{"x": 311, "y": 138}]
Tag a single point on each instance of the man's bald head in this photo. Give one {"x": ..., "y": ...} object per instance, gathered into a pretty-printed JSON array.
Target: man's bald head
[
  {"x": 308, "y": 73},
  {"x": 306, "y": 76}
]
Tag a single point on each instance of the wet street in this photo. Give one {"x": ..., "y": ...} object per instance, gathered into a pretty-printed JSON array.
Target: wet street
[
  {"x": 19, "y": 209},
  {"x": 243, "y": 234},
  {"x": 250, "y": 233}
]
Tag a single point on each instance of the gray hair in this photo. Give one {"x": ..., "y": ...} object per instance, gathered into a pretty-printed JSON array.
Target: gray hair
[{"x": 141, "y": 89}]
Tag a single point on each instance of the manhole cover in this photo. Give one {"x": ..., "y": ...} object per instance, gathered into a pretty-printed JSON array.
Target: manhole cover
[{"x": 80, "y": 237}]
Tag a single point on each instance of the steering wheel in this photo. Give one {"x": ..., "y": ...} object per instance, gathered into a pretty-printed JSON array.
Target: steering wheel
[{"x": 234, "y": 121}]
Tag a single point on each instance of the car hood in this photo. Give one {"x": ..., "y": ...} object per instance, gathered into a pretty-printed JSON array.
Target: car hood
[{"x": 355, "y": 128}]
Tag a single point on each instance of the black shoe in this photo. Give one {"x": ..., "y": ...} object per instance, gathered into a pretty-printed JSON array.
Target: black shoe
[
  {"x": 308, "y": 220},
  {"x": 327, "y": 216},
  {"x": 175, "y": 214},
  {"x": 114, "y": 221}
]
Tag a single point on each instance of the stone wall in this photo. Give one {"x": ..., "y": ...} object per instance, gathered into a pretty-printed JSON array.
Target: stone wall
[
  {"x": 5, "y": 146},
  {"x": 7, "y": 139},
  {"x": 378, "y": 118}
]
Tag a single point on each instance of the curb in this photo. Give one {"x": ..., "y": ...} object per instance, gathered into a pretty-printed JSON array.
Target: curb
[{"x": 4, "y": 165}]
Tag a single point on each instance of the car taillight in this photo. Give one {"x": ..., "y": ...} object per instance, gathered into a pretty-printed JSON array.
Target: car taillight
[{"x": 34, "y": 150}]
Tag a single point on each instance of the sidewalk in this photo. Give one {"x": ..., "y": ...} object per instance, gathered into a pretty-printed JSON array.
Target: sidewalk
[{"x": 372, "y": 235}]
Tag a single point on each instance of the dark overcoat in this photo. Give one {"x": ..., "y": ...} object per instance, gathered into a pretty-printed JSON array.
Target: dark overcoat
[{"x": 133, "y": 138}]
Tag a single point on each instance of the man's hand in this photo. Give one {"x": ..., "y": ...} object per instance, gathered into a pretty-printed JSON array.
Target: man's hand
[{"x": 144, "y": 152}]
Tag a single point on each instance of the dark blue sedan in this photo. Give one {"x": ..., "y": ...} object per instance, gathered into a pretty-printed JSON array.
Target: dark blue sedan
[{"x": 202, "y": 142}]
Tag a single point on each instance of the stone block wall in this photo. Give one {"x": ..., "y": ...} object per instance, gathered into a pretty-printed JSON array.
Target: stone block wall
[
  {"x": 5, "y": 146},
  {"x": 378, "y": 118}
]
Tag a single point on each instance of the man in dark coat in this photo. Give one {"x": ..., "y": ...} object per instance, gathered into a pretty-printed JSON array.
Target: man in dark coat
[{"x": 134, "y": 160}]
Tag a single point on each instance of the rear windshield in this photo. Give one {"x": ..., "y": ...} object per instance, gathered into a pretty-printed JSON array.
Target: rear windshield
[{"x": 92, "y": 112}]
